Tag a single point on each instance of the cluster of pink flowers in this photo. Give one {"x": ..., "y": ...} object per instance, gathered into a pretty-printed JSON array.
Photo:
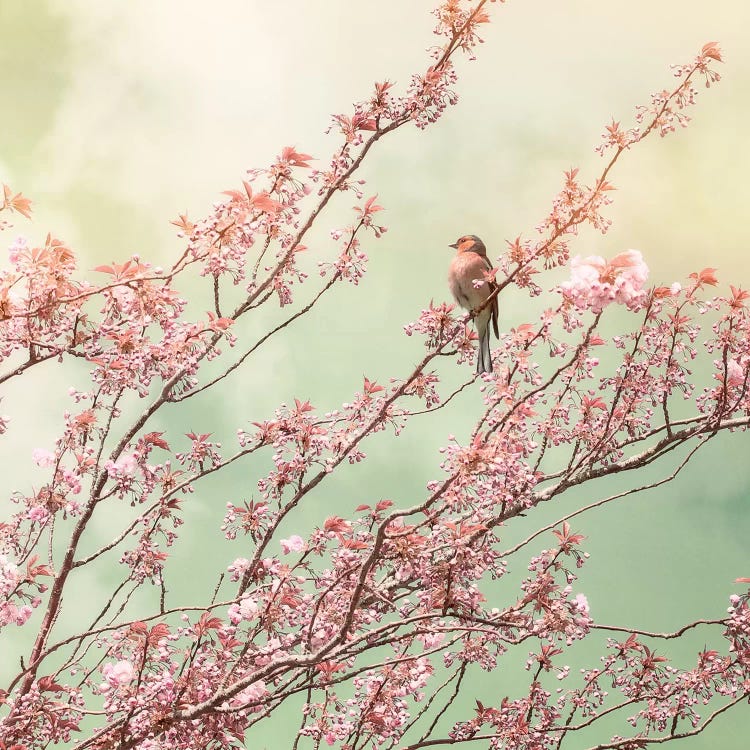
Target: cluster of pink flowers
[
  {"x": 10, "y": 580},
  {"x": 595, "y": 282},
  {"x": 116, "y": 674}
]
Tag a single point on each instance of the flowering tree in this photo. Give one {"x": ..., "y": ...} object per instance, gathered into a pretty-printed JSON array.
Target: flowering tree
[{"x": 372, "y": 624}]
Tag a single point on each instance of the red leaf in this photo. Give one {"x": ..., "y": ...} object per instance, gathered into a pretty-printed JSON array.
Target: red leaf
[
  {"x": 370, "y": 207},
  {"x": 198, "y": 438},
  {"x": 566, "y": 538},
  {"x": 32, "y": 570},
  {"x": 21, "y": 205},
  {"x": 296, "y": 159},
  {"x": 712, "y": 50},
  {"x": 207, "y": 623},
  {"x": 381, "y": 88},
  {"x": 631, "y": 644},
  {"x": 155, "y": 439},
  {"x": 47, "y": 683},
  {"x": 327, "y": 668},
  {"x": 219, "y": 324},
  {"x": 182, "y": 222},
  {"x": 354, "y": 544},
  {"x": 738, "y": 296},
  {"x": 336, "y": 524},
  {"x": 128, "y": 270},
  {"x": 302, "y": 406},
  {"x": 264, "y": 202},
  {"x": 706, "y": 276},
  {"x": 157, "y": 633},
  {"x": 372, "y": 387},
  {"x": 291, "y": 600}
]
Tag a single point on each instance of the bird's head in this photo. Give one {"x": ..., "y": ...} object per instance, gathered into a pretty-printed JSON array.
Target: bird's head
[{"x": 469, "y": 243}]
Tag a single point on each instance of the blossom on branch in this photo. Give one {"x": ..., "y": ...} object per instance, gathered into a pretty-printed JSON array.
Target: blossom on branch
[{"x": 595, "y": 282}]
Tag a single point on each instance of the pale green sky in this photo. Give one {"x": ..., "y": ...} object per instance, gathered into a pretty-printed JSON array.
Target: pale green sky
[{"x": 118, "y": 116}]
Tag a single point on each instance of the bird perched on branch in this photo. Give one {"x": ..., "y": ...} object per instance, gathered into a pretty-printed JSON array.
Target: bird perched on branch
[{"x": 469, "y": 264}]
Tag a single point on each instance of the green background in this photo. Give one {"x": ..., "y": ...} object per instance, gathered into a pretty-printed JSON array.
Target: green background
[{"x": 119, "y": 116}]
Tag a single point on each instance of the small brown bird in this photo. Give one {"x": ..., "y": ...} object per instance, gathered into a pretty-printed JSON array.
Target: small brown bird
[{"x": 470, "y": 263}]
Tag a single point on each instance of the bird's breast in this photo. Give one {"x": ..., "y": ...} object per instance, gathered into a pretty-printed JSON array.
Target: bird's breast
[{"x": 464, "y": 269}]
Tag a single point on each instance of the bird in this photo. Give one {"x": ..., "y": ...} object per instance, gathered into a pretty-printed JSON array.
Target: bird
[{"x": 470, "y": 263}]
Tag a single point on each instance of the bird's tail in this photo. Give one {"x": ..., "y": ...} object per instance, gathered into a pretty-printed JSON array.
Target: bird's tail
[{"x": 484, "y": 357}]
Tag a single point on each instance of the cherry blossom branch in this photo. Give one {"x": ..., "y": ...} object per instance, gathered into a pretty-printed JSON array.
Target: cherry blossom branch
[
  {"x": 668, "y": 443},
  {"x": 665, "y": 636},
  {"x": 302, "y": 311},
  {"x": 609, "y": 499},
  {"x": 677, "y": 736}
]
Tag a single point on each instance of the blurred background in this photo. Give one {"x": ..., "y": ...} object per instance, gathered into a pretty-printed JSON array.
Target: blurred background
[{"x": 119, "y": 116}]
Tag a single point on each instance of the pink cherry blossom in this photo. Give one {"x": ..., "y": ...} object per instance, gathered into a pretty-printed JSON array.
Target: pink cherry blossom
[
  {"x": 255, "y": 691},
  {"x": 238, "y": 568},
  {"x": 117, "y": 674},
  {"x": 43, "y": 457},
  {"x": 246, "y": 609},
  {"x": 582, "y": 603},
  {"x": 11, "y": 613},
  {"x": 15, "y": 250},
  {"x": 38, "y": 514},
  {"x": 736, "y": 373},
  {"x": 125, "y": 466},
  {"x": 9, "y": 575},
  {"x": 294, "y": 543},
  {"x": 595, "y": 282}
]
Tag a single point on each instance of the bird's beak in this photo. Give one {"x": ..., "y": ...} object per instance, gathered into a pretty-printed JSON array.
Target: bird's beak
[{"x": 454, "y": 245}]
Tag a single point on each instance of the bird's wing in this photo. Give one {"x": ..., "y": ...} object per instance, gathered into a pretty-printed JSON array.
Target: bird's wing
[
  {"x": 493, "y": 304},
  {"x": 494, "y": 316}
]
